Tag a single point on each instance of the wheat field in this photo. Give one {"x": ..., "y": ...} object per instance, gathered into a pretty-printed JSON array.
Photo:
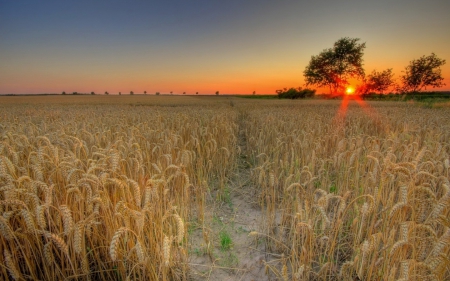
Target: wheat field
[{"x": 108, "y": 188}]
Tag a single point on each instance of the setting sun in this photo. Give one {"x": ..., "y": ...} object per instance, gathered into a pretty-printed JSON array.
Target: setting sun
[{"x": 349, "y": 91}]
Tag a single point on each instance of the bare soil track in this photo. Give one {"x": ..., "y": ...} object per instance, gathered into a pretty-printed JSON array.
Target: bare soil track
[{"x": 235, "y": 213}]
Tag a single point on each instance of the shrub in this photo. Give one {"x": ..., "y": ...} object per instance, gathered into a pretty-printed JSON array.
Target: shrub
[{"x": 295, "y": 93}]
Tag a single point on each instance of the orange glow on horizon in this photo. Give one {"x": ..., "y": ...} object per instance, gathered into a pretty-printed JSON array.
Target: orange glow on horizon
[{"x": 28, "y": 82}]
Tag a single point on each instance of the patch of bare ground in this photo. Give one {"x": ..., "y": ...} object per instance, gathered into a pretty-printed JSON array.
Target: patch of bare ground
[{"x": 223, "y": 246}]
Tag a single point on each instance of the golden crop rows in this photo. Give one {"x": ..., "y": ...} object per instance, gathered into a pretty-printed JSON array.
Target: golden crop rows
[
  {"x": 363, "y": 195},
  {"x": 82, "y": 187},
  {"x": 96, "y": 191}
]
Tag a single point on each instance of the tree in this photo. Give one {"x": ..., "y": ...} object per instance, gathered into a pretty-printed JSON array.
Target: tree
[
  {"x": 157, "y": 93},
  {"x": 196, "y": 93},
  {"x": 217, "y": 93},
  {"x": 333, "y": 67},
  {"x": 92, "y": 93},
  {"x": 254, "y": 92},
  {"x": 184, "y": 93},
  {"x": 423, "y": 72},
  {"x": 120, "y": 93},
  {"x": 145, "y": 92},
  {"x": 63, "y": 92},
  {"x": 379, "y": 81},
  {"x": 131, "y": 93},
  {"x": 106, "y": 93}
]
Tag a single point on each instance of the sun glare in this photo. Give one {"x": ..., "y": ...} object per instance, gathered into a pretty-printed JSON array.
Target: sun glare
[{"x": 349, "y": 91}]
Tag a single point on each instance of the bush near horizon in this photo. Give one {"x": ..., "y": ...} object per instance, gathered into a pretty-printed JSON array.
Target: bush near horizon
[{"x": 295, "y": 93}]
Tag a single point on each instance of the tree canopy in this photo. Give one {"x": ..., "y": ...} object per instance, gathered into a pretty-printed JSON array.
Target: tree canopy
[
  {"x": 379, "y": 81},
  {"x": 333, "y": 67},
  {"x": 422, "y": 73}
]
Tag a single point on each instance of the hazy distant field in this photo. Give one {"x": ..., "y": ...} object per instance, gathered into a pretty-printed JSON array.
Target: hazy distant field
[{"x": 222, "y": 188}]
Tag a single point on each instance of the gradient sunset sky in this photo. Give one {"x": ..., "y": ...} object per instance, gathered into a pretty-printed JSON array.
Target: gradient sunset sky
[{"x": 235, "y": 47}]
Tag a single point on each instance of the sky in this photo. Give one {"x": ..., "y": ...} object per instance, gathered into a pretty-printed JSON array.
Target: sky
[{"x": 233, "y": 46}]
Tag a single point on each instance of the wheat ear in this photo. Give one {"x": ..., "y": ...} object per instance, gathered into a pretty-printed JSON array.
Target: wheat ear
[
  {"x": 115, "y": 243},
  {"x": 166, "y": 250},
  {"x": 15, "y": 274}
]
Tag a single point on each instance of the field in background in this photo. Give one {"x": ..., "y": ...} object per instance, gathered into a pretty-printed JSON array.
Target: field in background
[{"x": 137, "y": 187}]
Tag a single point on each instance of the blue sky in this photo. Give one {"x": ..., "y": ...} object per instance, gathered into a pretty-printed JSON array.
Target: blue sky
[{"x": 230, "y": 46}]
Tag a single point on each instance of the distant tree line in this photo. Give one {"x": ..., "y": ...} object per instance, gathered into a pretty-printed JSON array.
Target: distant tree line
[{"x": 120, "y": 93}]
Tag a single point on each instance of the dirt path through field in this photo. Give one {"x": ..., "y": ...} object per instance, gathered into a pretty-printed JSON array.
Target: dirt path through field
[{"x": 231, "y": 254}]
